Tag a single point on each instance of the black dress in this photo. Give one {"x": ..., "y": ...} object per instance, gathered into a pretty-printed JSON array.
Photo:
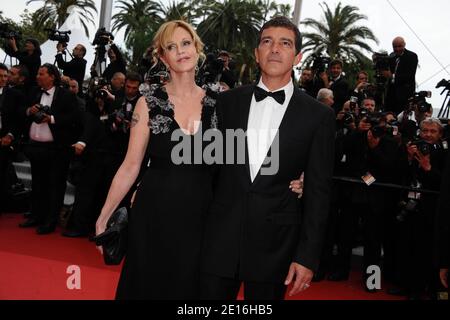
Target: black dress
[{"x": 166, "y": 222}]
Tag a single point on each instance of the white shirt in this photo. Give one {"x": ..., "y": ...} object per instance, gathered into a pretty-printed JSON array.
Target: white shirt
[
  {"x": 263, "y": 123},
  {"x": 41, "y": 132}
]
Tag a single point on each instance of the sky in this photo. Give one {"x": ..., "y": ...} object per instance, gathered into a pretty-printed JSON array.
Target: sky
[{"x": 425, "y": 27}]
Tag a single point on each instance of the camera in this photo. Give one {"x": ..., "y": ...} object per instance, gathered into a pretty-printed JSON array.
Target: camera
[
  {"x": 424, "y": 147},
  {"x": 419, "y": 101},
  {"x": 97, "y": 88},
  {"x": 102, "y": 37},
  {"x": 121, "y": 119},
  {"x": 349, "y": 118},
  {"x": 320, "y": 63},
  {"x": 381, "y": 61},
  {"x": 7, "y": 33},
  {"x": 44, "y": 111},
  {"x": 59, "y": 36},
  {"x": 443, "y": 84}
]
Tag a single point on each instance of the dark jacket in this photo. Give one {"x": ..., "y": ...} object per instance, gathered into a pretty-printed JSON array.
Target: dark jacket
[
  {"x": 256, "y": 230},
  {"x": 75, "y": 69}
]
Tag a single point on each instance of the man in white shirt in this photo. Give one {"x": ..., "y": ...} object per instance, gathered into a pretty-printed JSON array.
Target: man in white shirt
[
  {"x": 266, "y": 236},
  {"x": 52, "y": 128}
]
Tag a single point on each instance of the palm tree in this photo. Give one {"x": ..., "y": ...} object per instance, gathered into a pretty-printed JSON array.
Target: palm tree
[
  {"x": 140, "y": 19},
  {"x": 339, "y": 34},
  {"x": 233, "y": 25},
  {"x": 56, "y": 11},
  {"x": 184, "y": 10}
]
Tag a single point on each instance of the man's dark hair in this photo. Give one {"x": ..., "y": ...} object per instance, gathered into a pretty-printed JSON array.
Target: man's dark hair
[
  {"x": 83, "y": 50},
  {"x": 283, "y": 22},
  {"x": 336, "y": 62},
  {"x": 23, "y": 71},
  {"x": 362, "y": 72},
  {"x": 134, "y": 76},
  {"x": 53, "y": 71},
  {"x": 307, "y": 69},
  {"x": 37, "y": 46},
  {"x": 3, "y": 67}
]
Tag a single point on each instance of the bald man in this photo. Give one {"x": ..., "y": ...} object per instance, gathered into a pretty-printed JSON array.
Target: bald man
[{"x": 402, "y": 76}]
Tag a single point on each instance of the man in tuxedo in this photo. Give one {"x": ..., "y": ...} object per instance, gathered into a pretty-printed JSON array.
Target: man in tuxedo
[
  {"x": 75, "y": 68},
  {"x": 442, "y": 226},
  {"x": 266, "y": 236},
  {"x": 401, "y": 76},
  {"x": 51, "y": 135}
]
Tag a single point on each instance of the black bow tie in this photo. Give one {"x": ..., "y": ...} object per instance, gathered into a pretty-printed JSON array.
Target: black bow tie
[
  {"x": 45, "y": 92},
  {"x": 261, "y": 94}
]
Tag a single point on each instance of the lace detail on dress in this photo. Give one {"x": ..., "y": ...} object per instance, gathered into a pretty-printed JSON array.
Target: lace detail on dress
[{"x": 161, "y": 110}]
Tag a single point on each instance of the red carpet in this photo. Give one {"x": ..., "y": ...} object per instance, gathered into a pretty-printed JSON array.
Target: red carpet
[{"x": 35, "y": 267}]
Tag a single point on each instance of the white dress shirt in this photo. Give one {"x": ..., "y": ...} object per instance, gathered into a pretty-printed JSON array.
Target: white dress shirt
[
  {"x": 41, "y": 132},
  {"x": 263, "y": 123}
]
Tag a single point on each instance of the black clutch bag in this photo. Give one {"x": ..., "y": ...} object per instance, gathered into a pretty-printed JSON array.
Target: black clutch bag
[{"x": 114, "y": 239}]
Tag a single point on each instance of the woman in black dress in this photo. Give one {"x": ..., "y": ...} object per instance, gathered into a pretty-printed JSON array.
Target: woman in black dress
[{"x": 166, "y": 221}]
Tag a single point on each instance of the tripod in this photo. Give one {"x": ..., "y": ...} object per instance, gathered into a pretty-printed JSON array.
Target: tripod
[
  {"x": 445, "y": 109},
  {"x": 100, "y": 59},
  {"x": 10, "y": 60}
]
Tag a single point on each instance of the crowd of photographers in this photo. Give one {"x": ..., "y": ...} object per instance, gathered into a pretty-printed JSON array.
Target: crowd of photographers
[
  {"x": 390, "y": 153},
  {"x": 390, "y": 157}
]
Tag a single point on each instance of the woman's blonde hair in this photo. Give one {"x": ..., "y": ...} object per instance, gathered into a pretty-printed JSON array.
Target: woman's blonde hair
[{"x": 165, "y": 33}]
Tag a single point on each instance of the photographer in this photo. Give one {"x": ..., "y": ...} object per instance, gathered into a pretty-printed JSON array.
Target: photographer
[
  {"x": 51, "y": 130},
  {"x": 401, "y": 76},
  {"x": 416, "y": 220},
  {"x": 105, "y": 138},
  {"x": 30, "y": 57},
  {"x": 117, "y": 63},
  {"x": 227, "y": 75},
  {"x": 76, "y": 68},
  {"x": 338, "y": 84},
  {"x": 306, "y": 81},
  {"x": 410, "y": 119},
  {"x": 326, "y": 97},
  {"x": 370, "y": 155}
]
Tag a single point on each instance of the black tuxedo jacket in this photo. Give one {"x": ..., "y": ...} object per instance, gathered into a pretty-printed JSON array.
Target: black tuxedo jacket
[
  {"x": 443, "y": 221},
  {"x": 75, "y": 68},
  {"x": 256, "y": 230},
  {"x": 405, "y": 78},
  {"x": 340, "y": 90},
  {"x": 66, "y": 113},
  {"x": 12, "y": 104}
]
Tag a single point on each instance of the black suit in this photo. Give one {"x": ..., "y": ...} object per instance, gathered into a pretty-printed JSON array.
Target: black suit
[
  {"x": 50, "y": 160},
  {"x": 404, "y": 84},
  {"x": 254, "y": 231},
  {"x": 442, "y": 226},
  {"x": 75, "y": 69},
  {"x": 10, "y": 102},
  {"x": 340, "y": 90}
]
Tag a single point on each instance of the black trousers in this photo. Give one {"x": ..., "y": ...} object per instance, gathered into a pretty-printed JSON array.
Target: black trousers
[
  {"x": 49, "y": 168},
  {"x": 92, "y": 189},
  {"x": 214, "y": 287}
]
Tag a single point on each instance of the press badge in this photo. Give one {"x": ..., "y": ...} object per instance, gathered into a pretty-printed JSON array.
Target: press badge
[{"x": 369, "y": 179}]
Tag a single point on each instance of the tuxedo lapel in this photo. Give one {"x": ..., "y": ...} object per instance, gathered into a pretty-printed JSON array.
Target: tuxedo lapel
[{"x": 244, "y": 111}]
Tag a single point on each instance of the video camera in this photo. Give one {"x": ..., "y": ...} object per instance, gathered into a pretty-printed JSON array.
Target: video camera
[
  {"x": 419, "y": 101},
  {"x": 102, "y": 37},
  {"x": 381, "y": 61},
  {"x": 39, "y": 116},
  {"x": 320, "y": 63},
  {"x": 443, "y": 84},
  {"x": 7, "y": 33},
  {"x": 59, "y": 36}
]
